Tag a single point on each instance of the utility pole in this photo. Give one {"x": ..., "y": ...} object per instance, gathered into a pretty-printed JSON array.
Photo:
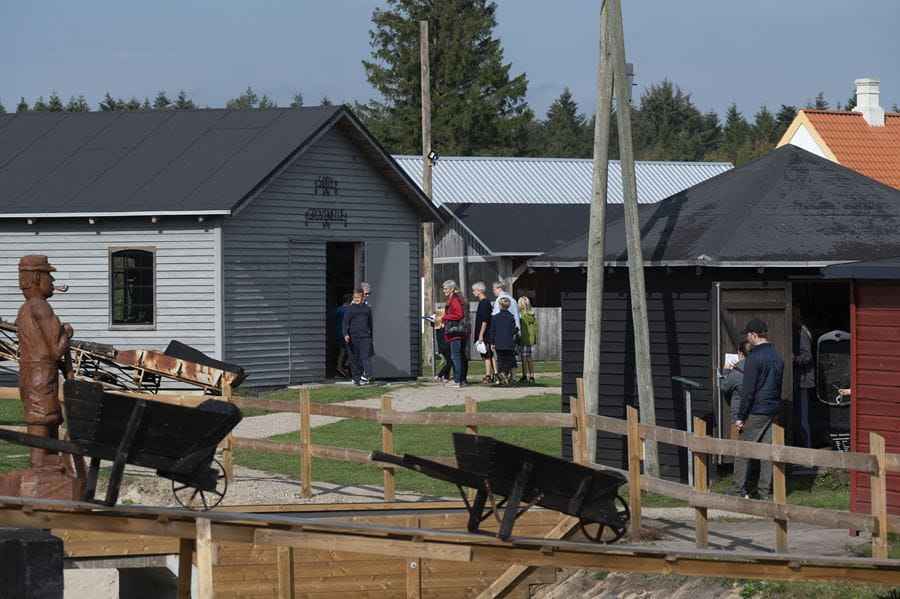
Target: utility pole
[
  {"x": 427, "y": 228},
  {"x": 638, "y": 289},
  {"x": 597, "y": 233}
]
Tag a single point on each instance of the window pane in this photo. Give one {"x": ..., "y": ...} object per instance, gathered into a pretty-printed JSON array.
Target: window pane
[{"x": 131, "y": 287}]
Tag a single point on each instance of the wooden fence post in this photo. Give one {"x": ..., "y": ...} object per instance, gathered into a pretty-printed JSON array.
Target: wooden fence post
[
  {"x": 779, "y": 490},
  {"x": 580, "y": 432},
  {"x": 634, "y": 472},
  {"x": 471, "y": 408},
  {"x": 305, "y": 445},
  {"x": 285, "y": 566},
  {"x": 204, "y": 559},
  {"x": 387, "y": 446},
  {"x": 185, "y": 566},
  {"x": 228, "y": 451},
  {"x": 701, "y": 480},
  {"x": 878, "y": 485}
]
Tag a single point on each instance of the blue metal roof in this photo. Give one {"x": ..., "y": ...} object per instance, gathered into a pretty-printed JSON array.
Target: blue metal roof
[{"x": 490, "y": 180}]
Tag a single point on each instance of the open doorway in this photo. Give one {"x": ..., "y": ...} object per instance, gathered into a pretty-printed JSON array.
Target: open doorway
[{"x": 341, "y": 276}]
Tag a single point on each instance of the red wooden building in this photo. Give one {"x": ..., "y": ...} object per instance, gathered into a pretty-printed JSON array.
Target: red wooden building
[{"x": 874, "y": 366}]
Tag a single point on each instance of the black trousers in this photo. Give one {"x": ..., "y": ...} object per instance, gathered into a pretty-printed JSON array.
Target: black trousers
[{"x": 359, "y": 350}]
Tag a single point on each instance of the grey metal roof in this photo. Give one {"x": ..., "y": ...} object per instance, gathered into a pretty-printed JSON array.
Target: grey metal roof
[
  {"x": 786, "y": 208},
  {"x": 164, "y": 162},
  {"x": 887, "y": 269},
  {"x": 489, "y": 180}
]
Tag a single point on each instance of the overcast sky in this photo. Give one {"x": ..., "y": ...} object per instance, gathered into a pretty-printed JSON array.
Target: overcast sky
[{"x": 752, "y": 53}]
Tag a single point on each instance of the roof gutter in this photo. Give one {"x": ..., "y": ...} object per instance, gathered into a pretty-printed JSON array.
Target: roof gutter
[
  {"x": 675, "y": 263},
  {"x": 44, "y": 215}
]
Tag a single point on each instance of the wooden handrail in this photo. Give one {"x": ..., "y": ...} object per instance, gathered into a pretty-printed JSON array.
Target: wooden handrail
[
  {"x": 478, "y": 419},
  {"x": 342, "y": 411}
]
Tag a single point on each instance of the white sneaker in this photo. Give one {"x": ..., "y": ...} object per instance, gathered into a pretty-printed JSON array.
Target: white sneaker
[{"x": 454, "y": 385}]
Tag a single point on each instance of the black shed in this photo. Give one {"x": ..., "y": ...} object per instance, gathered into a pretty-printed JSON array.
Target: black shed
[{"x": 749, "y": 243}]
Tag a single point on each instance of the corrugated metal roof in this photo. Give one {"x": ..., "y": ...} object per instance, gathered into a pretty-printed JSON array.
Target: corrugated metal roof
[{"x": 489, "y": 180}]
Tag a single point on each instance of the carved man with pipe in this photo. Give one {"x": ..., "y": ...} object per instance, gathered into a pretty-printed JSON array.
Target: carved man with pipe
[{"x": 44, "y": 351}]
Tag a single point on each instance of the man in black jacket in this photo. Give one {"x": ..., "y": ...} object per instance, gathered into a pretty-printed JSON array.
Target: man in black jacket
[
  {"x": 357, "y": 330},
  {"x": 760, "y": 404}
]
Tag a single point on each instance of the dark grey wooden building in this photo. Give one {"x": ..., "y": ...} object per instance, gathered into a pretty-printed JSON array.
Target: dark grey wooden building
[
  {"x": 749, "y": 243},
  {"x": 236, "y": 232}
]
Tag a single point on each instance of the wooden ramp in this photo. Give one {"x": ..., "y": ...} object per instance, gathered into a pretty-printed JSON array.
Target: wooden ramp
[{"x": 252, "y": 570}]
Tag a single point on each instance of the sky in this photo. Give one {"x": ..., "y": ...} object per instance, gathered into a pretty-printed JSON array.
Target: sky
[{"x": 765, "y": 52}]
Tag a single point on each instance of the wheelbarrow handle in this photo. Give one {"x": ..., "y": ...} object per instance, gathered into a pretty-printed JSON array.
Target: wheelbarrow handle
[{"x": 41, "y": 442}]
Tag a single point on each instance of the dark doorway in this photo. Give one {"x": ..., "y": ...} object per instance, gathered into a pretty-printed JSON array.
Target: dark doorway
[{"x": 340, "y": 278}]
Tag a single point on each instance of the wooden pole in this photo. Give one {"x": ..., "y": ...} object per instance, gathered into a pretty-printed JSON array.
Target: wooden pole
[
  {"x": 580, "y": 434},
  {"x": 634, "y": 472},
  {"x": 204, "y": 559},
  {"x": 387, "y": 446},
  {"x": 427, "y": 228},
  {"x": 305, "y": 445},
  {"x": 779, "y": 490},
  {"x": 878, "y": 483},
  {"x": 185, "y": 566},
  {"x": 471, "y": 408},
  {"x": 597, "y": 231},
  {"x": 285, "y": 566},
  {"x": 701, "y": 478},
  {"x": 633, "y": 235},
  {"x": 228, "y": 451}
]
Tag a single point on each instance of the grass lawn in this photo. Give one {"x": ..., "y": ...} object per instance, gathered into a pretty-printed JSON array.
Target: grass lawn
[{"x": 418, "y": 440}]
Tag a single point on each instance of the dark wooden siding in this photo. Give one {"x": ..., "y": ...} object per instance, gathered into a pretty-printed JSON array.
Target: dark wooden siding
[
  {"x": 876, "y": 381},
  {"x": 681, "y": 306}
]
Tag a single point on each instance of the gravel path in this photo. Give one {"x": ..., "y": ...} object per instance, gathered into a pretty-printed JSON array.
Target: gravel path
[{"x": 405, "y": 399}]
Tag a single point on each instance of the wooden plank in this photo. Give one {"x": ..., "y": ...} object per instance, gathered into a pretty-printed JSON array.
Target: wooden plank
[
  {"x": 266, "y": 445},
  {"x": 413, "y": 567},
  {"x": 285, "y": 569},
  {"x": 634, "y": 473},
  {"x": 185, "y": 566},
  {"x": 779, "y": 490},
  {"x": 387, "y": 446},
  {"x": 341, "y": 411},
  {"x": 204, "y": 543},
  {"x": 228, "y": 450},
  {"x": 341, "y": 454},
  {"x": 395, "y": 547},
  {"x": 879, "y": 497},
  {"x": 480, "y": 419},
  {"x": 607, "y": 424},
  {"x": 701, "y": 485},
  {"x": 266, "y": 405},
  {"x": 9, "y": 393},
  {"x": 305, "y": 445}
]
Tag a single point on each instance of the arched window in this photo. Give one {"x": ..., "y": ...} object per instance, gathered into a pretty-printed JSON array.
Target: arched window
[{"x": 131, "y": 285}]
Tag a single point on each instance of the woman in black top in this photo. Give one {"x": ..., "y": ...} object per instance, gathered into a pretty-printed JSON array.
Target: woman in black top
[{"x": 482, "y": 326}]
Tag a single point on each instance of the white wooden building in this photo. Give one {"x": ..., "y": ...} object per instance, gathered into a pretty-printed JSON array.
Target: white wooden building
[{"x": 236, "y": 232}]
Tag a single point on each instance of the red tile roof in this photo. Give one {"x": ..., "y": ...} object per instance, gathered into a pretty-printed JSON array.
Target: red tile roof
[{"x": 872, "y": 151}]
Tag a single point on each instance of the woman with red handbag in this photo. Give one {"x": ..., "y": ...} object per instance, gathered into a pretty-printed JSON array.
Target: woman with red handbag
[{"x": 456, "y": 332}]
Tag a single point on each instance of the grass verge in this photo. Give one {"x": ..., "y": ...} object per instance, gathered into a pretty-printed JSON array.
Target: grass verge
[{"x": 418, "y": 440}]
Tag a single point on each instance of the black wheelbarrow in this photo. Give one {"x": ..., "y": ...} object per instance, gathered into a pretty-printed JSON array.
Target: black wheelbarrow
[
  {"x": 523, "y": 478},
  {"x": 178, "y": 442}
]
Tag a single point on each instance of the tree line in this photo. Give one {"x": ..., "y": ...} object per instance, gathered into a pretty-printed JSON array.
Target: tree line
[{"x": 479, "y": 106}]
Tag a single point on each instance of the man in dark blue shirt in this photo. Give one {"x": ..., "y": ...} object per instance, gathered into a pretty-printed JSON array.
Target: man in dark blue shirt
[{"x": 760, "y": 404}]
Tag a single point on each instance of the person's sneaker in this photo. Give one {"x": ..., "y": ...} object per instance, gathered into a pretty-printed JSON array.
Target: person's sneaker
[
  {"x": 531, "y": 381},
  {"x": 366, "y": 381},
  {"x": 523, "y": 380},
  {"x": 357, "y": 383},
  {"x": 452, "y": 385}
]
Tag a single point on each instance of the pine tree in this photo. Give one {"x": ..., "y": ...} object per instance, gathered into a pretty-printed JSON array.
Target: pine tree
[
  {"x": 266, "y": 102},
  {"x": 248, "y": 99},
  {"x": 765, "y": 127},
  {"x": 22, "y": 106},
  {"x": 562, "y": 134},
  {"x": 109, "y": 103},
  {"x": 162, "y": 101},
  {"x": 182, "y": 102},
  {"x": 54, "y": 104},
  {"x": 326, "y": 101},
  {"x": 786, "y": 115},
  {"x": 819, "y": 103},
  {"x": 735, "y": 134},
  {"x": 40, "y": 105},
  {"x": 668, "y": 126},
  {"x": 2, "y": 108},
  {"x": 132, "y": 104},
  {"x": 297, "y": 100},
  {"x": 477, "y": 107},
  {"x": 711, "y": 134},
  {"x": 850, "y": 104},
  {"x": 78, "y": 104}
]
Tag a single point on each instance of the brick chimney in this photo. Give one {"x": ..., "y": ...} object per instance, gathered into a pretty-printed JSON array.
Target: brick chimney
[{"x": 867, "y": 101}]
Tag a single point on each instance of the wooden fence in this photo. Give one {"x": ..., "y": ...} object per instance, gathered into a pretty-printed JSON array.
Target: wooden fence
[{"x": 877, "y": 463}]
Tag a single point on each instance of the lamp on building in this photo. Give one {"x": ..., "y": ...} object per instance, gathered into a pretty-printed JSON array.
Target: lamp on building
[{"x": 433, "y": 157}]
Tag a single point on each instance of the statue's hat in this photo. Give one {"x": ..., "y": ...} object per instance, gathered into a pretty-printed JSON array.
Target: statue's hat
[{"x": 35, "y": 262}]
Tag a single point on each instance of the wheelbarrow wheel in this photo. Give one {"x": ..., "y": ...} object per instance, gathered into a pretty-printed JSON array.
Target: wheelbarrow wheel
[
  {"x": 604, "y": 532},
  {"x": 193, "y": 498}
]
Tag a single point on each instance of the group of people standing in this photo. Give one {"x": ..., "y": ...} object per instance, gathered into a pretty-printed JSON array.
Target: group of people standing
[{"x": 503, "y": 329}]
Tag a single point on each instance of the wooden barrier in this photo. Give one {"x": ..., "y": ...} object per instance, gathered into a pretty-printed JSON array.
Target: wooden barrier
[
  {"x": 701, "y": 485},
  {"x": 387, "y": 446}
]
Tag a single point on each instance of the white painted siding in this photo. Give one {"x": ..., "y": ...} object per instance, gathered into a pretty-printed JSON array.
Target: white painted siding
[
  {"x": 258, "y": 331},
  {"x": 185, "y": 276},
  {"x": 803, "y": 139}
]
